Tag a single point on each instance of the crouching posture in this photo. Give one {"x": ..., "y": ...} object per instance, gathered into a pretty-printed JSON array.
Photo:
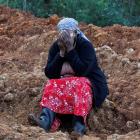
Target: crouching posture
[{"x": 76, "y": 83}]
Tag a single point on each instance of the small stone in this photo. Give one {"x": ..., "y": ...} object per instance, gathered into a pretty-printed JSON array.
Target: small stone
[
  {"x": 130, "y": 50},
  {"x": 139, "y": 65},
  {"x": 130, "y": 124},
  {"x": 125, "y": 61},
  {"x": 138, "y": 124},
  {"x": 34, "y": 92},
  {"x": 3, "y": 18},
  {"x": 2, "y": 77},
  {"x": 8, "y": 97},
  {"x": 1, "y": 84}
]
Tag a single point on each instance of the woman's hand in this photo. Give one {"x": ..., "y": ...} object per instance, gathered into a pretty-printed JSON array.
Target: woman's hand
[
  {"x": 61, "y": 47},
  {"x": 67, "y": 38}
]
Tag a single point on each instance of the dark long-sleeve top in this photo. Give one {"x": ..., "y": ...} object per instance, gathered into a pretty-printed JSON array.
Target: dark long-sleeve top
[{"x": 84, "y": 63}]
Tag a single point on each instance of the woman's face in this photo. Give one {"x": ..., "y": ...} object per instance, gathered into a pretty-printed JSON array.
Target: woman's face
[{"x": 71, "y": 34}]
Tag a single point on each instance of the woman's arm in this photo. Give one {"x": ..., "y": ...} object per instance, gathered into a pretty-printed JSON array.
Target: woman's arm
[
  {"x": 83, "y": 59},
  {"x": 54, "y": 63}
]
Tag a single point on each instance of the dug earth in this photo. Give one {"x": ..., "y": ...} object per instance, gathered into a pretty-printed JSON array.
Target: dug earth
[{"x": 24, "y": 44}]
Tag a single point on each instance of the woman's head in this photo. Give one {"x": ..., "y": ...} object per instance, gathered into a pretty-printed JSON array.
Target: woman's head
[
  {"x": 71, "y": 25},
  {"x": 68, "y": 24},
  {"x": 67, "y": 27}
]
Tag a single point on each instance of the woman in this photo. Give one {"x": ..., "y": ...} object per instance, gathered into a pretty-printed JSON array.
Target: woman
[{"x": 75, "y": 80}]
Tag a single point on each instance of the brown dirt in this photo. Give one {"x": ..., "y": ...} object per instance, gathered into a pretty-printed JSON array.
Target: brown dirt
[{"x": 24, "y": 44}]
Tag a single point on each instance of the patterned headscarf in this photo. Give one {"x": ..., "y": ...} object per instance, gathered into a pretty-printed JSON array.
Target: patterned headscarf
[{"x": 70, "y": 24}]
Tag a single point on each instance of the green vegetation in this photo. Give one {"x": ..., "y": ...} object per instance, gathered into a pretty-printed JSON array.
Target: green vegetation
[{"x": 98, "y": 12}]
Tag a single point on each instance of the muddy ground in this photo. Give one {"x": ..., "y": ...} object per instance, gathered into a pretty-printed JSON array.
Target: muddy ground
[{"x": 24, "y": 44}]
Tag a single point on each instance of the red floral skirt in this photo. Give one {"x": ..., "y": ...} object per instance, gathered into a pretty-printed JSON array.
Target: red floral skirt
[{"x": 69, "y": 95}]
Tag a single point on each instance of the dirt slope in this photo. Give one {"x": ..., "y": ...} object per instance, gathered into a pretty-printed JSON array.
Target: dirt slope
[{"x": 24, "y": 44}]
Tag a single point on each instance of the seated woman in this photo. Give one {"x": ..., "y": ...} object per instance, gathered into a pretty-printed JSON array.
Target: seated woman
[{"x": 76, "y": 83}]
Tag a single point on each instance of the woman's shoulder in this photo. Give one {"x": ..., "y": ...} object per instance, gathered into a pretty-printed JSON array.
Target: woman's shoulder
[
  {"x": 54, "y": 46},
  {"x": 82, "y": 41}
]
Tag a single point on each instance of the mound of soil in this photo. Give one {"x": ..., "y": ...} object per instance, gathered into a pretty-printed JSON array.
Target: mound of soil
[{"x": 24, "y": 44}]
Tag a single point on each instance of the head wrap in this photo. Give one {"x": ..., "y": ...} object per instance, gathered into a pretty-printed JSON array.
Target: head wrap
[{"x": 70, "y": 24}]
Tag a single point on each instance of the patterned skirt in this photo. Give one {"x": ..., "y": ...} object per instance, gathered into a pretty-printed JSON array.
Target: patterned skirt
[{"x": 69, "y": 95}]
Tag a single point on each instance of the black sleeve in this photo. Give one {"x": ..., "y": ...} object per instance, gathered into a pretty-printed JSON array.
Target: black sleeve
[
  {"x": 82, "y": 59},
  {"x": 54, "y": 63}
]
